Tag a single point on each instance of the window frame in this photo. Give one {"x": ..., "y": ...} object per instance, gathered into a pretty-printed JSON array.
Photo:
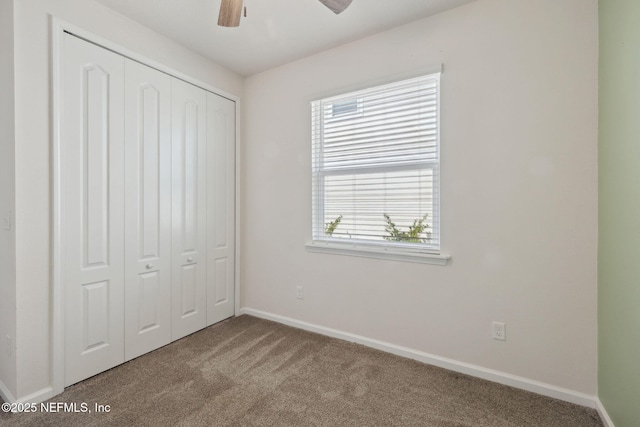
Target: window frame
[{"x": 401, "y": 251}]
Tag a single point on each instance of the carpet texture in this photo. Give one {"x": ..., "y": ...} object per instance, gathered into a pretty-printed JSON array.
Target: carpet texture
[{"x": 252, "y": 372}]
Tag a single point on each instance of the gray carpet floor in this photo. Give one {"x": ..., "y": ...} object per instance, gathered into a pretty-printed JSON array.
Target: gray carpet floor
[{"x": 252, "y": 372}]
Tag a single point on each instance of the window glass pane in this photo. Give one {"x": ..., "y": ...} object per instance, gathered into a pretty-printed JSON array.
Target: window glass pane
[
  {"x": 362, "y": 200},
  {"x": 395, "y": 127},
  {"x": 344, "y": 107}
]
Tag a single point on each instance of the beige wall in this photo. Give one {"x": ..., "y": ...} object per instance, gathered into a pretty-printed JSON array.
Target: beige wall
[
  {"x": 519, "y": 192},
  {"x": 33, "y": 142},
  {"x": 7, "y": 203}
]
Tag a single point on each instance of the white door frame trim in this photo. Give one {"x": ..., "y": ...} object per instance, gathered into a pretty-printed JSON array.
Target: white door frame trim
[{"x": 58, "y": 28}]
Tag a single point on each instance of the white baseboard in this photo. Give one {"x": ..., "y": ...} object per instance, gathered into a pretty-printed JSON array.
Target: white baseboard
[
  {"x": 37, "y": 397},
  {"x": 6, "y": 395},
  {"x": 604, "y": 416},
  {"x": 538, "y": 387}
]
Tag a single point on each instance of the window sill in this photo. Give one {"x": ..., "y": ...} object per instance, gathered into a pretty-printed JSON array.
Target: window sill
[{"x": 378, "y": 253}]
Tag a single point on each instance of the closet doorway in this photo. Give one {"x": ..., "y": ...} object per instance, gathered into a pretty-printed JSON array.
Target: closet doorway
[{"x": 145, "y": 197}]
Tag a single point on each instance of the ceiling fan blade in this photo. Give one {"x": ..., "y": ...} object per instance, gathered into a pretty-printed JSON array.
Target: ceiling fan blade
[
  {"x": 230, "y": 11},
  {"x": 336, "y": 6}
]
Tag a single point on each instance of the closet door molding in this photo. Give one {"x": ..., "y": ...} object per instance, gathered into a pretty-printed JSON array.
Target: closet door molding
[{"x": 58, "y": 244}]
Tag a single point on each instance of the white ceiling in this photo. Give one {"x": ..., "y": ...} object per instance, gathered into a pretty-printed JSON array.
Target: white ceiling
[{"x": 275, "y": 31}]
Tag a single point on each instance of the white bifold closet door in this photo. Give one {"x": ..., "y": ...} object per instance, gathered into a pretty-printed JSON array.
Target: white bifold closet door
[
  {"x": 147, "y": 195},
  {"x": 221, "y": 136},
  {"x": 92, "y": 167},
  {"x": 189, "y": 190},
  {"x": 147, "y": 167}
]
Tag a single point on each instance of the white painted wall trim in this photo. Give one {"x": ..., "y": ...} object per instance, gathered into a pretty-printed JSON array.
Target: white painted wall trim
[
  {"x": 442, "y": 362},
  {"x": 58, "y": 27},
  {"x": 238, "y": 198},
  {"x": 377, "y": 252},
  {"x": 57, "y": 292},
  {"x": 604, "y": 415},
  {"x": 5, "y": 394},
  {"x": 37, "y": 397}
]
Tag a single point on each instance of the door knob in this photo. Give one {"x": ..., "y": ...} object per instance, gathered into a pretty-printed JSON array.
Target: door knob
[
  {"x": 149, "y": 266},
  {"x": 190, "y": 259}
]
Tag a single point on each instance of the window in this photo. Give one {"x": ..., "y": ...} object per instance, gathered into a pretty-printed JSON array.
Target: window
[{"x": 376, "y": 168}]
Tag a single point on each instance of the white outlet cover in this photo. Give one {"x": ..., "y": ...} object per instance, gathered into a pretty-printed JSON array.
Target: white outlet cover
[{"x": 499, "y": 331}]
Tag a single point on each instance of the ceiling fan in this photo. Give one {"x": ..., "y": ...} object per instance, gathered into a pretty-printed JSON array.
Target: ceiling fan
[{"x": 230, "y": 10}]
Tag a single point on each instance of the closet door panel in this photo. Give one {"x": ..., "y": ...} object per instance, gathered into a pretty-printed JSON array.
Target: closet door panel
[
  {"x": 221, "y": 127},
  {"x": 92, "y": 162},
  {"x": 147, "y": 209},
  {"x": 189, "y": 208}
]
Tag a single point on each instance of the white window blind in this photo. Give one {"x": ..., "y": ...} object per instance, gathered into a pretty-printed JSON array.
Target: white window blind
[{"x": 376, "y": 166}]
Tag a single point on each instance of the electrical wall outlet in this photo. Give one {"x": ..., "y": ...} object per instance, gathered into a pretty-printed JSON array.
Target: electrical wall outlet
[
  {"x": 499, "y": 331},
  {"x": 299, "y": 292}
]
